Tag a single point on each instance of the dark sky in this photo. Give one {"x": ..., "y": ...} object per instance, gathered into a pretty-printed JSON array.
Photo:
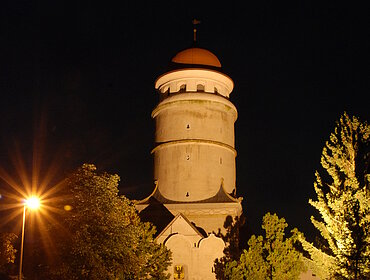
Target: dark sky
[{"x": 77, "y": 85}]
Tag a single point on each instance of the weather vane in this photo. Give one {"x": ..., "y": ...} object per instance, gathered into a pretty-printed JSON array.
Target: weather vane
[{"x": 195, "y": 23}]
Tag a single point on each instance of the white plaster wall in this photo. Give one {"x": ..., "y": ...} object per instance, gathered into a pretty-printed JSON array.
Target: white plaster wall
[
  {"x": 182, "y": 254},
  {"x": 210, "y": 248},
  {"x": 195, "y": 146},
  {"x": 211, "y": 79},
  {"x": 208, "y": 216},
  {"x": 192, "y": 171},
  {"x": 196, "y": 260},
  {"x": 195, "y": 119}
]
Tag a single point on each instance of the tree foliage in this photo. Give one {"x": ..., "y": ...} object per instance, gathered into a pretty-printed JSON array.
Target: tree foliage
[
  {"x": 232, "y": 240},
  {"x": 7, "y": 250},
  {"x": 269, "y": 257},
  {"x": 343, "y": 201},
  {"x": 103, "y": 237}
]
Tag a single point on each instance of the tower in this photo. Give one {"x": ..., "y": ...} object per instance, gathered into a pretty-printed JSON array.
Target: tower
[{"x": 194, "y": 161}]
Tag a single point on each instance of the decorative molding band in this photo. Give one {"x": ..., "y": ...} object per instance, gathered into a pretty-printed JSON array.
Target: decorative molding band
[
  {"x": 191, "y": 98},
  {"x": 194, "y": 141}
]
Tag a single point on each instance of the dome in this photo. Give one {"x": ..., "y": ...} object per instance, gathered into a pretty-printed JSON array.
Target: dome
[{"x": 196, "y": 56}]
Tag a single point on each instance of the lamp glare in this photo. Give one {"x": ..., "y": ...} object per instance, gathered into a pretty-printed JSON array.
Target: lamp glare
[{"x": 33, "y": 202}]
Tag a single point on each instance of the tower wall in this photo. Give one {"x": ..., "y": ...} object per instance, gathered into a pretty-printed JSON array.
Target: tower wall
[
  {"x": 193, "y": 171},
  {"x": 195, "y": 146},
  {"x": 195, "y": 116}
]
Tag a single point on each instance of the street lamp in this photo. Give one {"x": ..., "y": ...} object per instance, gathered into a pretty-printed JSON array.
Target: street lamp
[{"x": 33, "y": 203}]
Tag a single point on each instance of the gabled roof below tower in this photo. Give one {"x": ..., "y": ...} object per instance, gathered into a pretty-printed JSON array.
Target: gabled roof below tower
[{"x": 180, "y": 225}]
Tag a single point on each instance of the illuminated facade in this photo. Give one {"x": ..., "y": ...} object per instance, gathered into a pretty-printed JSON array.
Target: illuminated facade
[{"x": 194, "y": 162}]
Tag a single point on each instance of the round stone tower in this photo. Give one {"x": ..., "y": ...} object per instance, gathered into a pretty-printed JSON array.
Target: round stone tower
[
  {"x": 194, "y": 154},
  {"x": 194, "y": 163}
]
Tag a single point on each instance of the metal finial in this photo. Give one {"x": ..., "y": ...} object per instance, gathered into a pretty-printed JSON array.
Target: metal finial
[{"x": 195, "y": 23}]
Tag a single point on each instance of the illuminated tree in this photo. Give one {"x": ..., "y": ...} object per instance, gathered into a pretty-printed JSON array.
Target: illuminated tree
[
  {"x": 231, "y": 239},
  {"x": 7, "y": 250},
  {"x": 105, "y": 238},
  {"x": 269, "y": 257},
  {"x": 343, "y": 201}
]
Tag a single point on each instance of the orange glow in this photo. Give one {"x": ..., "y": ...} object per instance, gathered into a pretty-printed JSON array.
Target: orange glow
[
  {"x": 67, "y": 207},
  {"x": 32, "y": 185}
]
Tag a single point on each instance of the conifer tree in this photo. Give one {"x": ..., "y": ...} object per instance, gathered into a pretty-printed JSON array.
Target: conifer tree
[{"x": 343, "y": 201}]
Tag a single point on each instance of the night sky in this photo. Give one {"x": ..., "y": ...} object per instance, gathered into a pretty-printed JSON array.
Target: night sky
[{"x": 77, "y": 86}]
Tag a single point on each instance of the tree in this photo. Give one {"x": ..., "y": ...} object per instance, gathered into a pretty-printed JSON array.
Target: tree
[
  {"x": 343, "y": 201},
  {"x": 7, "y": 250},
  {"x": 232, "y": 241},
  {"x": 269, "y": 257},
  {"x": 103, "y": 237}
]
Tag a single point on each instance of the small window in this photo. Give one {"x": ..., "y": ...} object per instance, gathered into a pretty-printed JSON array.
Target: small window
[
  {"x": 200, "y": 88},
  {"x": 220, "y": 160},
  {"x": 165, "y": 93},
  {"x": 182, "y": 88},
  {"x": 166, "y": 90},
  {"x": 188, "y": 126}
]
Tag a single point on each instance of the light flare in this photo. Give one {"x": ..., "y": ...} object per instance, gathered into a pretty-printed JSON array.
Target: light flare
[
  {"x": 33, "y": 203},
  {"x": 31, "y": 185}
]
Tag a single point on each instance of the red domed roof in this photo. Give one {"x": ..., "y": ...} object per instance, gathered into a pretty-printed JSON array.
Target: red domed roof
[{"x": 197, "y": 56}]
